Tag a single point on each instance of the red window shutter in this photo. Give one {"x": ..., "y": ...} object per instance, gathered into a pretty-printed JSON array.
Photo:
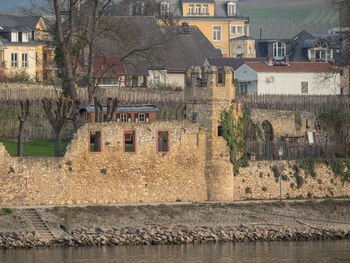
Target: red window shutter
[
  {"x": 129, "y": 116},
  {"x": 118, "y": 115},
  {"x": 147, "y": 115}
]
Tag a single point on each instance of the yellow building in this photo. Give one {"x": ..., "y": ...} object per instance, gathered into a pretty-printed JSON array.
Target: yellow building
[
  {"x": 219, "y": 20},
  {"x": 23, "y": 49}
]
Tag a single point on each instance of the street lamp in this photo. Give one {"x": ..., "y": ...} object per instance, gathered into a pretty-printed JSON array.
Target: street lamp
[{"x": 280, "y": 154}]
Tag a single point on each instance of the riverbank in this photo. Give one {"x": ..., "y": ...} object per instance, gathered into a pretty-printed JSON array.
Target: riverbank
[{"x": 179, "y": 223}]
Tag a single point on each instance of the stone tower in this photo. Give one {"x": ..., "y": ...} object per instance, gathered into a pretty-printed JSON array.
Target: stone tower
[{"x": 208, "y": 92}]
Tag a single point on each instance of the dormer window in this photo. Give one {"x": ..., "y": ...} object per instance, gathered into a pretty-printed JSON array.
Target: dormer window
[
  {"x": 164, "y": 8},
  {"x": 14, "y": 36},
  {"x": 320, "y": 52},
  {"x": 279, "y": 50},
  {"x": 25, "y": 37},
  {"x": 231, "y": 9}
]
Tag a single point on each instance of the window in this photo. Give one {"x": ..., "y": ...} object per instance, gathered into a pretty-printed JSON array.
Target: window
[
  {"x": 24, "y": 60},
  {"x": 279, "y": 50},
  {"x": 190, "y": 9},
  {"x": 164, "y": 8},
  {"x": 217, "y": 33},
  {"x": 14, "y": 60},
  {"x": 95, "y": 141},
  {"x": 205, "y": 10},
  {"x": 240, "y": 30},
  {"x": 45, "y": 59},
  {"x": 142, "y": 117},
  {"x": 232, "y": 30},
  {"x": 198, "y": 10},
  {"x": 220, "y": 131},
  {"x": 85, "y": 117},
  {"x": 239, "y": 52},
  {"x": 231, "y": 9},
  {"x": 14, "y": 36},
  {"x": 156, "y": 78},
  {"x": 25, "y": 37},
  {"x": 304, "y": 87},
  {"x": 129, "y": 141},
  {"x": 163, "y": 141},
  {"x": 250, "y": 52},
  {"x": 36, "y": 59},
  {"x": 124, "y": 117},
  {"x": 108, "y": 81},
  {"x": 243, "y": 87}
]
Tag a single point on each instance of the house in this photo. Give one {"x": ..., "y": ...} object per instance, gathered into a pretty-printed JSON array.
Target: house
[
  {"x": 164, "y": 58},
  {"x": 107, "y": 70},
  {"x": 219, "y": 20},
  {"x": 304, "y": 47},
  {"x": 22, "y": 47},
  {"x": 294, "y": 78},
  {"x": 123, "y": 113}
]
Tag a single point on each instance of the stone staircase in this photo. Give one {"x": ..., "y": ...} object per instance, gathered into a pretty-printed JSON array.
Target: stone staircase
[{"x": 39, "y": 225}]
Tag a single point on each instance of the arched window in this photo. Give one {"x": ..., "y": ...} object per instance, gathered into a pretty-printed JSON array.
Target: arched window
[
  {"x": 239, "y": 52},
  {"x": 231, "y": 9},
  {"x": 268, "y": 131},
  {"x": 164, "y": 8},
  {"x": 279, "y": 50}
]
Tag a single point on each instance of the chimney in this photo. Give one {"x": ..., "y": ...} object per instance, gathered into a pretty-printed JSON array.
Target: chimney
[
  {"x": 287, "y": 60},
  {"x": 269, "y": 61}
]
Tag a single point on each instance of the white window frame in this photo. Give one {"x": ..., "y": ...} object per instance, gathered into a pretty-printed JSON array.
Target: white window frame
[
  {"x": 25, "y": 37},
  {"x": 198, "y": 10},
  {"x": 142, "y": 117},
  {"x": 25, "y": 62},
  {"x": 123, "y": 117},
  {"x": 164, "y": 8},
  {"x": 241, "y": 55},
  {"x": 231, "y": 9},
  {"x": 205, "y": 9},
  {"x": 156, "y": 78},
  {"x": 304, "y": 87},
  {"x": 14, "y": 36},
  {"x": 217, "y": 33},
  {"x": 14, "y": 60},
  {"x": 191, "y": 9},
  {"x": 240, "y": 30},
  {"x": 233, "y": 30},
  {"x": 279, "y": 50}
]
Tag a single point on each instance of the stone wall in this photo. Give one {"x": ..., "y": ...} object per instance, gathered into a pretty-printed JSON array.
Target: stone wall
[
  {"x": 112, "y": 176},
  {"x": 258, "y": 181},
  {"x": 285, "y": 123}
]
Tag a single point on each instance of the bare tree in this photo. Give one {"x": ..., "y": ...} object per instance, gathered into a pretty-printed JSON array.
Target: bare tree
[
  {"x": 59, "y": 113},
  {"x": 25, "y": 107}
]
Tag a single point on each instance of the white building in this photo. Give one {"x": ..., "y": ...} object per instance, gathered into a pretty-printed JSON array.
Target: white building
[{"x": 294, "y": 78}]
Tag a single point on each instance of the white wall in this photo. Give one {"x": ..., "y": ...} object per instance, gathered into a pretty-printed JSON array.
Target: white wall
[
  {"x": 290, "y": 83},
  {"x": 246, "y": 74},
  {"x": 176, "y": 80}
]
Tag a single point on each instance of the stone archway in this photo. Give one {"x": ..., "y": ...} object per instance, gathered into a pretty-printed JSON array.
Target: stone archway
[{"x": 268, "y": 139}]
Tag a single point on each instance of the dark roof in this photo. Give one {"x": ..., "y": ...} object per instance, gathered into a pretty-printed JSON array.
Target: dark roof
[
  {"x": 198, "y": 1},
  {"x": 234, "y": 63},
  {"x": 176, "y": 51},
  {"x": 18, "y": 22},
  {"x": 242, "y": 38},
  {"x": 124, "y": 108},
  {"x": 292, "y": 67}
]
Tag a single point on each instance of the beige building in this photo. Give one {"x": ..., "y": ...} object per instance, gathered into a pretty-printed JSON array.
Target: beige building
[{"x": 22, "y": 48}]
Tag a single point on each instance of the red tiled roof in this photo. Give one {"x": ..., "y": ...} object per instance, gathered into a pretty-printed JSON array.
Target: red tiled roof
[
  {"x": 109, "y": 66},
  {"x": 292, "y": 67}
]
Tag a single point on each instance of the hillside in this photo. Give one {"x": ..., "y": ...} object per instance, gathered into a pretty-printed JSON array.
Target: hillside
[{"x": 286, "y": 18}]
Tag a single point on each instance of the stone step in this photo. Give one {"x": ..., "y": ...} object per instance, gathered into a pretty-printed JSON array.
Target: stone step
[{"x": 38, "y": 224}]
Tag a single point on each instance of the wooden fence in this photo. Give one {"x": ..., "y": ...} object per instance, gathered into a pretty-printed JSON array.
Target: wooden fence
[
  {"x": 309, "y": 103},
  {"x": 125, "y": 95}
]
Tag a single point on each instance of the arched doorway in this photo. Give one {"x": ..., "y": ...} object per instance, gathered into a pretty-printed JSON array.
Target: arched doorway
[{"x": 268, "y": 139}]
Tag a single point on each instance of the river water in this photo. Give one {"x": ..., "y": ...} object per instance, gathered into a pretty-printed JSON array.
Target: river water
[{"x": 311, "y": 251}]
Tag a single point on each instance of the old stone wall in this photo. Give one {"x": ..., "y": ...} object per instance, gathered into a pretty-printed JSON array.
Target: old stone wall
[
  {"x": 111, "y": 176},
  {"x": 285, "y": 123},
  {"x": 260, "y": 180}
]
